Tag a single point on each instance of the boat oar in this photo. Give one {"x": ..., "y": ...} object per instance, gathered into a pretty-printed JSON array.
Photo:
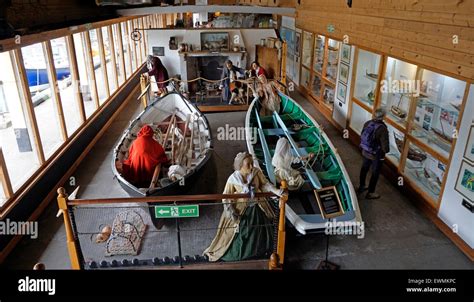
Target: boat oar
[
  {"x": 191, "y": 146},
  {"x": 172, "y": 120},
  {"x": 156, "y": 175}
]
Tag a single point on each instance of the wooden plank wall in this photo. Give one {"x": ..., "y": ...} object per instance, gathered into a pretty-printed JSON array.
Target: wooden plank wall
[
  {"x": 279, "y": 3},
  {"x": 419, "y": 31}
]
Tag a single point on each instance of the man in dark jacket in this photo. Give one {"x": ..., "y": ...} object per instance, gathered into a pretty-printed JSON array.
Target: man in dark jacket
[
  {"x": 374, "y": 144},
  {"x": 228, "y": 84}
]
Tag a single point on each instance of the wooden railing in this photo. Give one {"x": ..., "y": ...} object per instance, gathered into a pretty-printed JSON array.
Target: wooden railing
[{"x": 65, "y": 207}]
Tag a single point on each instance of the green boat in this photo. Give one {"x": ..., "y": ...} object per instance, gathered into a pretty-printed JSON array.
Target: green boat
[{"x": 327, "y": 170}]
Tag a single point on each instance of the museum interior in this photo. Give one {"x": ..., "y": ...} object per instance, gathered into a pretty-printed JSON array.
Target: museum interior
[{"x": 237, "y": 134}]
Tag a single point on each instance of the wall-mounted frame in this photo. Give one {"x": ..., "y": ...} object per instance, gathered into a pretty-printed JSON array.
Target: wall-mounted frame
[
  {"x": 346, "y": 53},
  {"x": 343, "y": 73},
  {"x": 158, "y": 51},
  {"x": 469, "y": 152},
  {"x": 341, "y": 92},
  {"x": 297, "y": 43},
  {"x": 465, "y": 181},
  {"x": 215, "y": 41}
]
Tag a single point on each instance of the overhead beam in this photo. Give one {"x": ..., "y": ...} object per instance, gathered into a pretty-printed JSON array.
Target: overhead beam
[{"x": 244, "y": 9}]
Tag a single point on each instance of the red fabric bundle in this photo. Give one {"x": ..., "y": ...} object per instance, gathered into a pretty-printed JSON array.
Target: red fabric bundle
[{"x": 144, "y": 155}]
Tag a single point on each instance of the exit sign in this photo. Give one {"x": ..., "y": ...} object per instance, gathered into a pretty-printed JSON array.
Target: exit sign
[{"x": 176, "y": 211}]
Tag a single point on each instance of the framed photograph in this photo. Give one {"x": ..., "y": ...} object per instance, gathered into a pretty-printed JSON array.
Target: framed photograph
[
  {"x": 469, "y": 152},
  {"x": 465, "y": 181},
  {"x": 215, "y": 41},
  {"x": 346, "y": 53},
  {"x": 341, "y": 92},
  {"x": 158, "y": 51},
  {"x": 343, "y": 73}
]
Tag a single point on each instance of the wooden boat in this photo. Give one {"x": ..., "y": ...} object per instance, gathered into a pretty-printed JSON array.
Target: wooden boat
[
  {"x": 184, "y": 133},
  {"x": 413, "y": 154},
  {"x": 305, "y": 136}
]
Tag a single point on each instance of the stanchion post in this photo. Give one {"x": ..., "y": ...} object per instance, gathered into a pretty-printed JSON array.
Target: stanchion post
[
  {"x": 277, "y": 259},
  {"x": 143, "y": 84},
  {"x": 71, "y": 243}
]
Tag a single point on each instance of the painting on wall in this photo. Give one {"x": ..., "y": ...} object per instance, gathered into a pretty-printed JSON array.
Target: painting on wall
[
  {"x": 341, "y": 92},
  {"x": 465, "y": 181},
  {"x": 343, "y": 73},
  {"x": 469, "y": 152},
  {"x": 346, "y": 53},
  {"x": 215, "y": 41}
]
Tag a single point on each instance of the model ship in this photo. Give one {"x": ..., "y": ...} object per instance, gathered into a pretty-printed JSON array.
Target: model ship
[
  {"x": 413, "y": 154},
  {"x": 441, "y": 135},
  {"x": 373, "y": 76},
  {"x": 397, "y": 111}
]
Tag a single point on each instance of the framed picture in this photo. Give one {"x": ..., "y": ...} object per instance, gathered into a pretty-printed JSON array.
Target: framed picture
[
  {"x": 346, "y": 53},
  {"x": 343, "y": 73},
  {"x": 341, "y": 92},
  {"x": 215, "y": 41},
  {"x": 158, "y": 51},
  {"x": 298, "y": 43},
  {"x": 469, "y": 152},
  {"x": 465, "y": 181}
]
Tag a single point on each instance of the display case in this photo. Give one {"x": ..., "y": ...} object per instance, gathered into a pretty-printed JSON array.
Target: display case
[
  {"x": 367, "y": 77},
  {"x": 316, "y": 86},
  {"x": 358, "y": 118},
  {"x": 328, "y": 95},
  {"x": 332, "y": 60},
  {"x": 396, "y": 141},
  {"x": 426, "y": 172},
  {"x": 398, "y": 89},
  {"x": 307, "y": 52},
  {"x": 318, "y": 57},
  {"x": 437, "y": 111},
  {"x": 305, "y": 78}
]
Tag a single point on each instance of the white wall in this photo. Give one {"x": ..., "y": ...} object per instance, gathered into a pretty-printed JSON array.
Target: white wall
[
  {"x": 341, "y": 109},
  {"x": 451, "y": 211},
  {"x": 174, "y": 63}
]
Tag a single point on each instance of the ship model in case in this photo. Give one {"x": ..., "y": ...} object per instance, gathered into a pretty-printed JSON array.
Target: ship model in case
[{"x": 413, "y": 154}]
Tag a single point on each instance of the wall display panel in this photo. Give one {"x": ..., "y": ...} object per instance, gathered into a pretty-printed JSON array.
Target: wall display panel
[{"x": 332, "y": 60}]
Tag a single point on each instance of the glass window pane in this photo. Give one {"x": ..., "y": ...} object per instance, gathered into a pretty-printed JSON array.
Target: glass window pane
[
  {"x": 358, "y": 118},
  {"x": 126, "y": 51},
  {"x": 437, "y": 111},
  {"x": 318, "y": 58},
  {"x": 16, "y": 138},
  {"x": 368, "y": 64},
  {"x": 328, "y": 96},
  {"x": 396, "y": 139},
  {"x": 332, "y": 63},
  {"x": 426, "y": 172},
  {"x": 84, "y": 79},
  {"x": 66, "y": 89},
  {"x": 44, "y": 106},
  {"x": 99, "y": 78},
  {"x": 397, "y": 89},
  {"x": 316, "y": 86},
  {"x": 108, "y": 54},
  {"x": 305, "y": 77},
  {"x": 133, "y": 45},
  {"x": 307, "y": 49},
  {"x": 118, "y": 55}
]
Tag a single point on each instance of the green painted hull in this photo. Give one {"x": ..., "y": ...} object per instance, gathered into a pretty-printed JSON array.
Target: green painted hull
[{"x": 328, "y": 166}]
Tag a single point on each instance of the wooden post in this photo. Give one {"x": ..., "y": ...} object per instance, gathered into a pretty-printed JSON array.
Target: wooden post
[
  {"x": 143, "y": 86},
  {"x": 281, "y": 225},
  {"x": 71, "y": 243},
  {"x": 75, "y": 77},
  {"x": 113, "y": 60},
  {"x": 90, "y": 68},
  {"x": 283, "y": 63},
  {"x": 103, "y": 61},
  {"x": 4, "y": 177},
  {"x": 274, "y": 264}
]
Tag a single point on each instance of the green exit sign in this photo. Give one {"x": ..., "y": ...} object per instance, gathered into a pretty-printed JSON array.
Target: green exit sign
[{"x": 177, "y": 211}]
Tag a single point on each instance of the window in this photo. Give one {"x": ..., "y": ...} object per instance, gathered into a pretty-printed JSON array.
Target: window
[
  {"x": 126, "y": 49},
  {"x": 110, "y": 62},
  {"x": 99, "y": 75},
  {"x": 16, "y": 135},
  {"x": 44, "y": 105},
  {"x": 86, "y": 84},
  {"x": 65, "y": 86},
  {"x": 118, "y": 50}
]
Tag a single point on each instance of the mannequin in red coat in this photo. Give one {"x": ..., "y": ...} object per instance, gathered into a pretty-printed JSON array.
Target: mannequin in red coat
[{"x": 144, "y": 155}]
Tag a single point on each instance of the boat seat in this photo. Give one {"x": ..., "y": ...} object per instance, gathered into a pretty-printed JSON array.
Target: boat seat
[{"x": 276, "y": 132}]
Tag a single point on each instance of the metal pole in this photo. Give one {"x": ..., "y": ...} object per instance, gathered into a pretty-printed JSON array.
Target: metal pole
[{"x": 179, "y": 244}]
